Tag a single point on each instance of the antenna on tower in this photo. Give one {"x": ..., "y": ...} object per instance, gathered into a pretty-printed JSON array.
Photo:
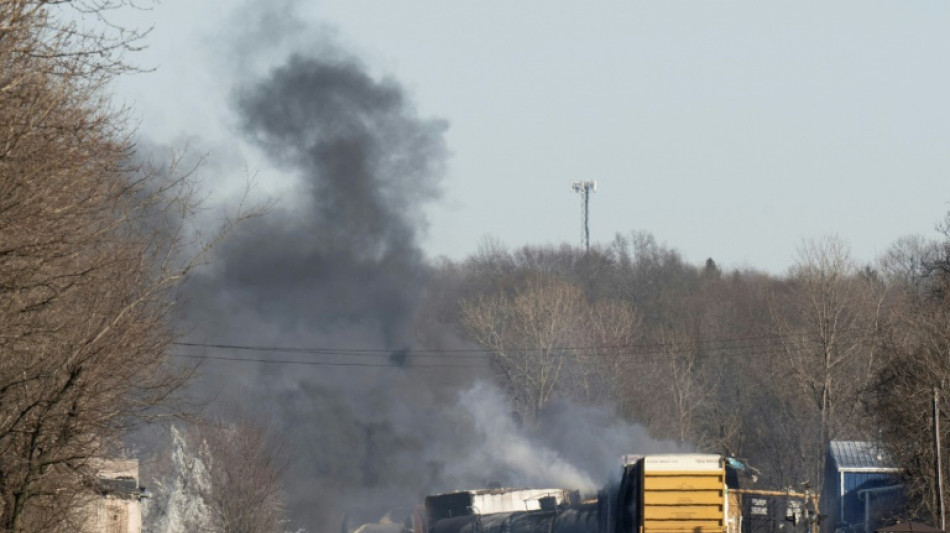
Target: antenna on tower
[{"x": 585, "y": 187}]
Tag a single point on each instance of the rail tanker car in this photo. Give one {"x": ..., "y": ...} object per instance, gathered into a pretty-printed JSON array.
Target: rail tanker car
[{"x": 675, "y": 493}]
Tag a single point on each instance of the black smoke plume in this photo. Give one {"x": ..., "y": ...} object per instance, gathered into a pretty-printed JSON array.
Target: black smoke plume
[
  {"x": 374, "y": 420},
  {"x": 338, "y": 268}
]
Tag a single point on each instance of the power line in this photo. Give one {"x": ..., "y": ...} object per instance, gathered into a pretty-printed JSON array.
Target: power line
[
  {"x": 377, "y": 351},
  {"x": 760, "y": 346},
  {"x": 764, "y": 341},
  {"x": 318, "y": 351},
  {"x": 315, "y": 363},
  {"x": 385, "y": 364}
]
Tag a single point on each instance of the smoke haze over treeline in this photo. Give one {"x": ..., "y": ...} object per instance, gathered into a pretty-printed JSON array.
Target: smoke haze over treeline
[
  {"x": 340, "y": 268},
  {"x": 391, "y": 376}
]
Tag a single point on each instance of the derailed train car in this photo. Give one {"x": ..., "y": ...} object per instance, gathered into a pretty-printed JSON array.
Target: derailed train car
[
  {"x": 511, "y": 511},
  {"x": 677, "y": 493},
  {"x": 580, "y": 519}
]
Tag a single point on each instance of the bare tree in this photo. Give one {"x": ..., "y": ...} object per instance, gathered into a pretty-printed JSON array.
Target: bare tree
[
  {"x": 217, "y": 476},
  {"x": 235, "y": 470},
  {"x": 89, "y": 257},
  {"x": 529, "y": 334},
  {"x": 828, "y": 321},
  {"x": 917, "y": 341},
  {"x": 688, "y": 383},
  {"x": 547, "y": 337},
  {"x": 603, "y": 356}
]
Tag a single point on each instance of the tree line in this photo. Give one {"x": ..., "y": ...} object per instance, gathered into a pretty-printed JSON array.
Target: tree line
[
  {"x": 765, "y": 367},
  {"x": 94, "y": 246}
]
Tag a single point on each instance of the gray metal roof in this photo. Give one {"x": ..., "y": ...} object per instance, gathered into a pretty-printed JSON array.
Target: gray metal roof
[{"x": 860, "y": 456}]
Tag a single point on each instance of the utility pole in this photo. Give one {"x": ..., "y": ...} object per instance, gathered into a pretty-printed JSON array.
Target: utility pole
[
  {"x": 937, "y": 462},
  {"x": 585, "y": 188}
]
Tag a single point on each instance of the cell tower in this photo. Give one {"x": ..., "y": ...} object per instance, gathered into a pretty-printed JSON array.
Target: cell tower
[{"x": 585, "y": 188}]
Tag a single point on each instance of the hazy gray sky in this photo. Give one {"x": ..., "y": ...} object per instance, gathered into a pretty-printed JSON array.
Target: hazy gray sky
[{"x": 727, "y": 129}]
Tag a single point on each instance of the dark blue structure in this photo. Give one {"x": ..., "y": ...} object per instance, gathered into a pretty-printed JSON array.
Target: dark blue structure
[{"x": 860, "y": 483}]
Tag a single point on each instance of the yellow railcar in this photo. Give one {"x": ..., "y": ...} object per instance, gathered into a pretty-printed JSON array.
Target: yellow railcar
[{"x": 674, "y": 493}]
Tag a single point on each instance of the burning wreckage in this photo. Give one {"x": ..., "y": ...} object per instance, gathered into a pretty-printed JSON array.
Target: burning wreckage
[{"x": 675, "y": 493}]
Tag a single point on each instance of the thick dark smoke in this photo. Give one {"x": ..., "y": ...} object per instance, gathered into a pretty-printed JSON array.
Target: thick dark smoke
[
  {"x": 340, "y": 268},
  {"x": 346, "y": 257}
]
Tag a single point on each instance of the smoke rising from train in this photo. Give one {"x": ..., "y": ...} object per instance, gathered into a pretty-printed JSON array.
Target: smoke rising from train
[{"x": 340, "y": 267}]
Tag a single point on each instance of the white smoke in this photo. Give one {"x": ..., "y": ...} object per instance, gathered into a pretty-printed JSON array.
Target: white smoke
[
  {"x": 175, "y": 504},
  {"x": 568, "y": 447},
  {"x": 508, "y": 451}
]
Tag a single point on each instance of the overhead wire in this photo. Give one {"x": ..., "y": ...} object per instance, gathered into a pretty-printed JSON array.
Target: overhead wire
[
  {"x": 638, "y": 348},
  {"x": 313, "y": 363},
  {"x": 758, "y": 345}
]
